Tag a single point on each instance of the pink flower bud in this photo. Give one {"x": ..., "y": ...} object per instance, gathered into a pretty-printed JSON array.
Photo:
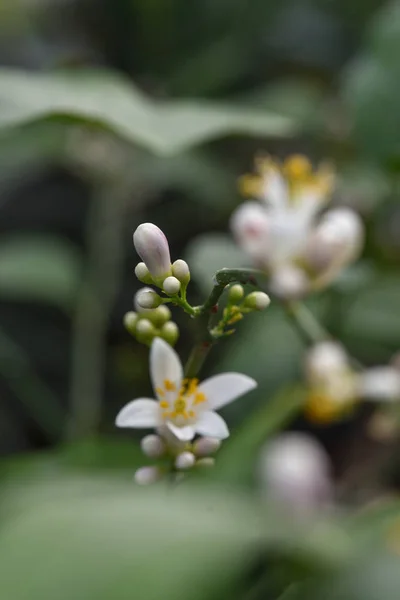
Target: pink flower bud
[{"x": 152, "y": 247}]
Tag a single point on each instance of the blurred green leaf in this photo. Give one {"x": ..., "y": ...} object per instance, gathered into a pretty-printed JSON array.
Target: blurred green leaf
[
  {"x": 39, "y": 268},
  {"x": 374, "y": 314},
  {"x": 104, "y": 98},
  {"x": 102, "y": 540},
  {"x": 372, "y": 89},
  {"x": 374, "y": 578}
]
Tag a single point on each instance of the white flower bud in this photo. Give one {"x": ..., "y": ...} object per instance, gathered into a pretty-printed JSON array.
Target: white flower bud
[
  {"x": 289, "y": 282},
  {"x": 136, "y": 304},
  {"x": 295, "y": 469},
  {"x": 153, "y": 446},
  {"x": 142, "y": 273},
  {"x": 257, "y": 301},
  {"x": 185, "y": 460},
  {"x": 324, "y": 360},
  {"x": 148, "y": 299},
  {"x": 152, "y": 247},
  {"x": 250, "y": 225},
  {"x": 170, "y": 332},
  {"x": 130, "y": 320},
  {"x": 180, "y": 269},
  {"x": 205, "y": 446},
  {"x": 147, "y": 475},
  {"x": 380, "y": 383},
  {"x": 171, "y": 286},
  {"x": 145, "y": 331}
]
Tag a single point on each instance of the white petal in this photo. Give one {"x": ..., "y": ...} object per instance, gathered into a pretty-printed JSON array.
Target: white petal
[
  {"x": 142, "y": 412},
  {"x": 380, "y": 383},
  {"x": 275, "y": 190},
  {"x": 185, "y": 434},
  {"x": 211, "y": 424},
  {"x": 164, "y": 364},
  {"x": 222, "y": 389}
]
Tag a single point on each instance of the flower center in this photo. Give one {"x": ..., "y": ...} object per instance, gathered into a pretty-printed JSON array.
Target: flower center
[{"x": 181, "y": 406}]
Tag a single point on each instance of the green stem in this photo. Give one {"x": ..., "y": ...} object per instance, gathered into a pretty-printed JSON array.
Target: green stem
[
  {"x": 305, "y": 322},
  {"x": 105, "y": 254},
  {"x": 197, "y": 357}
]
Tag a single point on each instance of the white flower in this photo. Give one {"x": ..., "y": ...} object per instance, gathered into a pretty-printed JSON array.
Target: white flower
[
  {"x": 281, "y": 231},
  {"x": 185, "y": 407},
  {"x": 152, "y": 247}
]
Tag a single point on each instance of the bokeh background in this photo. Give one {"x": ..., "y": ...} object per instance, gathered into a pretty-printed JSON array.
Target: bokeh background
[{"x": 115, "y": 112}]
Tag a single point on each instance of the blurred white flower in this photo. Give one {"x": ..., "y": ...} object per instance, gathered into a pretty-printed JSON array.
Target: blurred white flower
[
  {"x": 295, "y": 469},
  {"x": 184, "y": 406},
  {"x": 281, "y": 232},
  {"x": 332, "y": 383}
]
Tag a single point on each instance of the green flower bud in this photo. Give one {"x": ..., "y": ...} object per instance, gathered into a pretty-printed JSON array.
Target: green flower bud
[
  {"x": 159, "y": 316},
  {"x": 145, "y": 331},
  {"x": 236, "y": 293},
  {"x": 170, "y": 332},
  {"x": 130, "y": 321}
]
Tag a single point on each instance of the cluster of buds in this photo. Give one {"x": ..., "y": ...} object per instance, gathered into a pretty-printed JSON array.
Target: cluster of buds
[
  {"x": 174, "y": 456},
  {"x": 335, "y": 387},
  {"x": 156, "y": 268},
  {"x": 239, "y": 303},
  {"x": 281, "y": 232},
  {"x": 151, "y": 317},
  {"x": 147, "y": 323}
]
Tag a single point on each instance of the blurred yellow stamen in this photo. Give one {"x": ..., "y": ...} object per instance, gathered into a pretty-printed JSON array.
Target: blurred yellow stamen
[
  {"x": 169, "y": 386},
  {"x": 199, "y": 398},
  {"x": 250, "y": 186},
  {"x": 323, "y": 409},
  {"x": 164, "y": 404},
  {"x": 160, "y": 392}
]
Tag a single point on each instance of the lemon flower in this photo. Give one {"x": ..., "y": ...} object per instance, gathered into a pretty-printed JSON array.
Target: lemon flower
[
  {"x": 184, "y": 406},
  {"x": 280, "y": 229}
]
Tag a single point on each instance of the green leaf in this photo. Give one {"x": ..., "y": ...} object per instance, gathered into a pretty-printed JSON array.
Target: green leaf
[
  {"x": 372, "y": 89},
  {"x": 105, "y": 98},
  {"x": 44, "y": 269},
  {"x": 96, "y": 540}
]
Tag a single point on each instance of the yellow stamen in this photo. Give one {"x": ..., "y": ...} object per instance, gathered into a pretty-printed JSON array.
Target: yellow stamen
[
  {"x": 164, "y": 404},
  {"x": 160, "y": 392},
  {"x": 297, "y": 167},
  {"x": 199, "y": 398},
  {"x": 169, "y": 385}
]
